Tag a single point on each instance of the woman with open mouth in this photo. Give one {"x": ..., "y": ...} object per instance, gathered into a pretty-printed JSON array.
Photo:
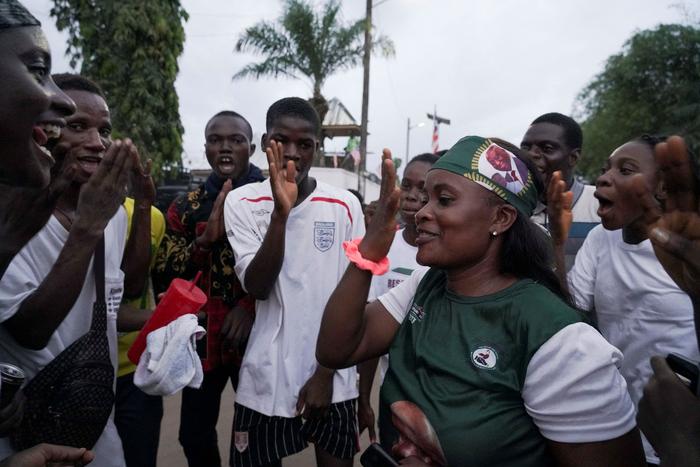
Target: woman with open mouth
[
  {"x": 616, "y": 276},
  {"x": 489, "y": 364}
]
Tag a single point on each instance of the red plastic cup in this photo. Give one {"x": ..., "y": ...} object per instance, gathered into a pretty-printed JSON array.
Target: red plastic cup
[{"x": 182, "y": 297}]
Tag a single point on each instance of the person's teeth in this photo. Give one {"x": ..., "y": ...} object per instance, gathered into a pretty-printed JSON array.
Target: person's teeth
[{"x": 52, "y": 131}]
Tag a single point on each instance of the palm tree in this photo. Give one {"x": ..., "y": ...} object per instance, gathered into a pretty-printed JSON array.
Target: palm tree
[{"x": 302, "y": 43}]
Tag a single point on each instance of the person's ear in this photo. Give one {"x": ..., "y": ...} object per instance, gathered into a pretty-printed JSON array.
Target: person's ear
[
  {"x": 574, "y": 156},
  {"x": 263, "y": 142},
  {"x": 503, "y": 219},
  {"x": 252, "y": 149}
]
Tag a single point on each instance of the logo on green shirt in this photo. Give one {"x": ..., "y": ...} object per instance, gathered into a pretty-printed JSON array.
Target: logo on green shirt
[
  {"x": 484, "y": 357},
  {"x": 416, "y": 313}
]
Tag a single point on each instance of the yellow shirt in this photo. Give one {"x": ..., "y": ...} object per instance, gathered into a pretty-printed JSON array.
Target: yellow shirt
[{"x": 147, "y": 300}]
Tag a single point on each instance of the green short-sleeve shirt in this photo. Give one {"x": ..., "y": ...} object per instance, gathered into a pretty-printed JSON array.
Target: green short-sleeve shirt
[{"x": 463, "y": 361}]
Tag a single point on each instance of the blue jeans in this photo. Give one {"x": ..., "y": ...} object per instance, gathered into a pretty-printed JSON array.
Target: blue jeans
[
  {"x": 137, "y": 417},
  {"x": 199, "y": 413}
]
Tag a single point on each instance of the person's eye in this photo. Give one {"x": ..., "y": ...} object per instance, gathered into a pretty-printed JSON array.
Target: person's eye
[
  {"x": 76, "y": 126},
  {"x": 548, "y": 149},
  {"x": 627, "y": 170},
  {"x": 405, "y": 187},
  {"x": 40, "y": 71},
  {"x": 525, "y": 147},
  {"x": 444, "y": 200},
  {"x": 238, "y": 141},
  {"x": 106, "y": 132}
]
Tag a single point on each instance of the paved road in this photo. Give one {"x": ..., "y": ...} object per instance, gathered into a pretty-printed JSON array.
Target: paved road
[{"x": 170, "y": 452}]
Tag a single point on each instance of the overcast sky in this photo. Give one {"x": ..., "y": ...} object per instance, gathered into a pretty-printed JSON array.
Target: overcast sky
[{"x": 491, "y": 66}]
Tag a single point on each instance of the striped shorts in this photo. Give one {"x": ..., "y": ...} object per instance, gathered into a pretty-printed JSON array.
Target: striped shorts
[{"x": 260, "y": 439}]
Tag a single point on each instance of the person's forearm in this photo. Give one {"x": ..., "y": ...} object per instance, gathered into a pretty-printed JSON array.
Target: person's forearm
[
  {"x": 367, "y": 370},
  {"x": 342, "y": 324},
  {"x": 6, "y": 255},
  {"x": 44, "y": 310},
  {"x": 265, "y": 267},
  {"x": 696, "y": 312},
  {"x": 137, "y": 254},
  {"x": 560, "y": 266},
  {"x": 131, "y": 318}
]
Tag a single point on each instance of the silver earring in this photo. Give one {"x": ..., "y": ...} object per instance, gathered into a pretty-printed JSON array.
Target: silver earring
[{"x": 494, "y": 233}]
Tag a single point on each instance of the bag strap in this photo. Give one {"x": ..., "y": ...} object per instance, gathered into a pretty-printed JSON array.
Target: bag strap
[{"x": 99, "y": 308}]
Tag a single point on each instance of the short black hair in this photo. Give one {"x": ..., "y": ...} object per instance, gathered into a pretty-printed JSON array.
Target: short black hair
[
  {"x": 293, "y": 107},
  {"x": 572, "y": 130},
  {"x": 359, "y": 197},
  {"x": 75, "y": 82},
  {"x": 427, "y": 157},
  {"x": 231, "y": 113},
  {"x": 441, "y": 152}
]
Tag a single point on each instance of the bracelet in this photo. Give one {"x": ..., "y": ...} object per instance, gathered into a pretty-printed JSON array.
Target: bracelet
[{"x": 353, "y": 253}]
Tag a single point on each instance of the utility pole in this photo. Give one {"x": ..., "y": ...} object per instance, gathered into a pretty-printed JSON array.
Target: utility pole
[
  {"x": 437, "y": 120},
  {"x": 365, "y": 101}
]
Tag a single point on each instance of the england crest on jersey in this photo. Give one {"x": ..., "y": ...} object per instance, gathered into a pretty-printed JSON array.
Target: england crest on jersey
[{"x": 324, "y": 235}]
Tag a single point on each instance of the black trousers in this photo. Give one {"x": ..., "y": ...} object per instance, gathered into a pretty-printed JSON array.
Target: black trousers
[{"x": 137, "y": 417}]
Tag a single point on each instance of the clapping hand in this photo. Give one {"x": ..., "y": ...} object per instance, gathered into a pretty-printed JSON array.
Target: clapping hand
[
  {"x": 282, "y": 179},
  {"x": 382, "y": 228},
  {"x": 674, "y": 231},
  {"x": 559, "y": 205}
]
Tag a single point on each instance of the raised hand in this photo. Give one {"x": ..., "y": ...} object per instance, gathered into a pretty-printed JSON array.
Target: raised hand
[
  {"x": 381, "y": 229},
  {"x": 104, "y": 193},
  {"x": 216, "y": 228},
  {"x": 669, "y": 416},
  {"x": 559, "y": 204},
  {"x": 675, "y": 231},
  {"x": 282, "y": 179},
  {"x": 24, "y": 211},
  {"x": 142, "y": 187}
]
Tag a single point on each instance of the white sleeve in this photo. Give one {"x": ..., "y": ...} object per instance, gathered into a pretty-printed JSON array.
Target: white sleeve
[
  {"x": 574, "y": 391},
  {"x": 242, "y": 232},
  {"x": 398, "y": 300},
  {"x": 582, "y": 276},
  {"x": 20, "y": 280}
]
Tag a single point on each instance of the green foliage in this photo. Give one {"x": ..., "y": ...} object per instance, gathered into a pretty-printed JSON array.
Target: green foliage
[
  {"x": 302, "y": 43},
  {"x": 652, "y": 86},
  {"x": 130, "y": 48}
]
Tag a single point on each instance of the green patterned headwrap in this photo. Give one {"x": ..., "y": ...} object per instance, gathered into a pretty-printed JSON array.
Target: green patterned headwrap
[
  {"x": 13, "y": 15},
  {"x": 494, "y": 168}
]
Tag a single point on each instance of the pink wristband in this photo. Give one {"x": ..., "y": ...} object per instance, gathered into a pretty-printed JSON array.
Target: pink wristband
[{"x": 353, "y": 253}]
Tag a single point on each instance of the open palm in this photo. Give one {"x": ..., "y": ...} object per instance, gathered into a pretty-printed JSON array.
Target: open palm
[
  {"x": 675, "y": 230},
  {"x": 282, "y": 179}
]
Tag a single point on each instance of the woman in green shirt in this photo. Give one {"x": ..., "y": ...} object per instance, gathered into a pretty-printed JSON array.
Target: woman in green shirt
[{"x": 489, "y": 364}]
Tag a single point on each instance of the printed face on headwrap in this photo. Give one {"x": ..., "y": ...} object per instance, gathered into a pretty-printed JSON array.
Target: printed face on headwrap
[
  {"x": 504, "y": 168},
  {"x": 494, "y": 168},
  {"x": 14, "y": 15}
]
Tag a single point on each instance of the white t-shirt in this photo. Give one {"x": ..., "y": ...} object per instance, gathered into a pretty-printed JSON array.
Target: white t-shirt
[
  {"x": 640, "y": 309},
  {"x": 573, "y": 390},
  {"x": 402, "y": 263},
  {"x": 281, "y": 352},
  {"x": 24, "y": 275},
  {"x": 585, "y": 208}
]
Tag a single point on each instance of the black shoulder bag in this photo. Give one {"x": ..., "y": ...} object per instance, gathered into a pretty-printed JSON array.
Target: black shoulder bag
[{"x": 69, "y": 401}]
